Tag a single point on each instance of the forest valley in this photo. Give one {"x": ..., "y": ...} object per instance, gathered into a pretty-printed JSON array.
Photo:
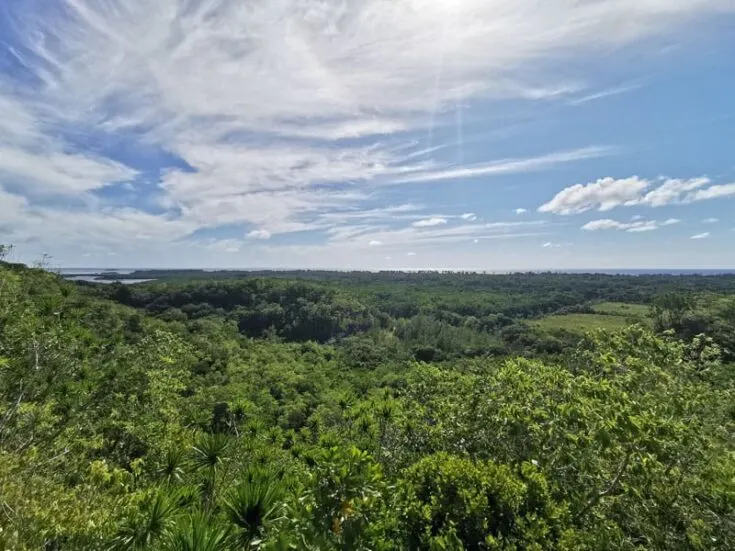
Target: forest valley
[{"x": 356, "y": 411}]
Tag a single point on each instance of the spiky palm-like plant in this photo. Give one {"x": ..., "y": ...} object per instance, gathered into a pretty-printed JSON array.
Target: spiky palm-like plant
[
  {"x": 253, "y": 504},
  {"x": 150, "y": 522},
  {"x": 199, "y": 532},
  {"x": 210, "y": 453},
  {"x": 172, "y": 466}
]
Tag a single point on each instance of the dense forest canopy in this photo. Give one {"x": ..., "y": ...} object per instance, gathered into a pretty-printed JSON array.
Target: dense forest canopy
[{"x": 367, "y": 411}]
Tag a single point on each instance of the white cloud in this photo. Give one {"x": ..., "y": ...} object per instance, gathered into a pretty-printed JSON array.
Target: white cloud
[
  {"x": 670, "y": 222},
  {"x": 604, "y": 194},
  {"x": 119, "y": 228},
  {"x": 259, "y": 234},
  {"x": 259, "y": 98},
  {"x": 226, "y": 245},
  {"x": 521, "y": 211},
  {"x": 603, "y": 94},
  {"x": 710, "y": 221},
  {"x": 161, "y": 64},
  {"x": 507, "y": 166},
  {"x": 550, "y": 245},
  {"x": 712, "y": 192},
  {"x": 633, "y": 227},
  {"x": 433, "y": 236},
  {"x": 57, "y": 172},
  {"x": 468, "y": 216},
  {"x": 430, "y": 222},
  {"x": 704, "y": 235},
  {"x": 410, "y": 254},
  {"x": 637, "y": 217},
  {"x": 644, "y": 227},
  {"x": 608, "y": 193},
  {"x": 671, "y": 191},
  {"x": 12, "y": 206}
]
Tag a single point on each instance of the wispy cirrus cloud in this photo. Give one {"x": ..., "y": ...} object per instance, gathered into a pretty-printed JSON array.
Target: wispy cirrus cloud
[
  {"x": 414, "y": 237},
  {"x": 508, "y": 166},
  {"x": 124, "y": 228},
  {"x": 632, "y": 227},
  {"x": 284, "y": 112},
  {"x": 616, "y": 91}
]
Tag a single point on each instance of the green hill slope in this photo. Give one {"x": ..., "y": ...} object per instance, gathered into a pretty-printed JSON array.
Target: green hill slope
[{"x": 125, "y": 428}]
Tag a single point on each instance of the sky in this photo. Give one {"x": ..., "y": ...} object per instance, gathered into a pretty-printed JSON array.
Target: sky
[{"x": 369, "y": 134}]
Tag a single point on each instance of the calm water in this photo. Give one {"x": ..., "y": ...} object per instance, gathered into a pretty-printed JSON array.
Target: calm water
[
  {"x": 90, "y": 274},
  {"x": 93, "y": 279}
]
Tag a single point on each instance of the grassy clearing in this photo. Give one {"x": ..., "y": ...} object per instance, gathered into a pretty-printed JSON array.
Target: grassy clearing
[
  {"x": 580, "y": 323},
  {"x": 622, "y": 309}
]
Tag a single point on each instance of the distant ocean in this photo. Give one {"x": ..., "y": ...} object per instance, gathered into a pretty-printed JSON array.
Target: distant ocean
[
  {"x": 723, "y": 271},
  {"x": 70, "y": 273}
]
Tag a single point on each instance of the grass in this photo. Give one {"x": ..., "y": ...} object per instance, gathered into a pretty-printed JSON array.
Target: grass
[
  {"x": 622, "y": 309},
  {"x": 612, "y": 316},
  {"x": 579, "y": 323}
]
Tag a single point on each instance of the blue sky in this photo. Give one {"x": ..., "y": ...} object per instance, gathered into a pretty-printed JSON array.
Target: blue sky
[{"x": 444, "y": 134}]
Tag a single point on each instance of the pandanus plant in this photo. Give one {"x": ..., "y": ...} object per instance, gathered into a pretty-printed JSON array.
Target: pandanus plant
[
  {"x": 199, "y": 532},
  {"x": 150, "y": 522},
  {"x": 210, "y": 454},
  {"x": 254, "y": 504}
]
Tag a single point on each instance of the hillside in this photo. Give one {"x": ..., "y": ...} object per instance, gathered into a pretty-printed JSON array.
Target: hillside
[{"x": 413, "y": 413}]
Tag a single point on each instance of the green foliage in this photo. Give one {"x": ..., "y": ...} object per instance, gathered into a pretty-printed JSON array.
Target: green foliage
[
  {"x": 381, "y": 412},
  {"x": 199, "y": 532},
  {"x": 479, "y": 505},
  {"x": 254, "y": 504},
  {"x": 581, "y": 323},
  {"x": 151, "y": 521}
]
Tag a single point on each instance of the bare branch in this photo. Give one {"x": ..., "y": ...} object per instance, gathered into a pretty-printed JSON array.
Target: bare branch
[{"x": 596, "y": 497}]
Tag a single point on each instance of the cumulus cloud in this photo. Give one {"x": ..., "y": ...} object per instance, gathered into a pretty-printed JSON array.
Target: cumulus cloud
[
  {"x": 430, "y": 222},
  {"x": 521, "y": 211},
  {"x": 608, "y": 193},
  {"x": 603, "y": 195},
  {"x": 670, "y": 222},
  {"x": 258, "y": 234},
  {"x": 704, "y": 235},
  {"x": 375, "y": 243},
  {"x": 670, "y": 191},
  {"x": 712, "y": 192},
  {"x": 468, "y": 216}
]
